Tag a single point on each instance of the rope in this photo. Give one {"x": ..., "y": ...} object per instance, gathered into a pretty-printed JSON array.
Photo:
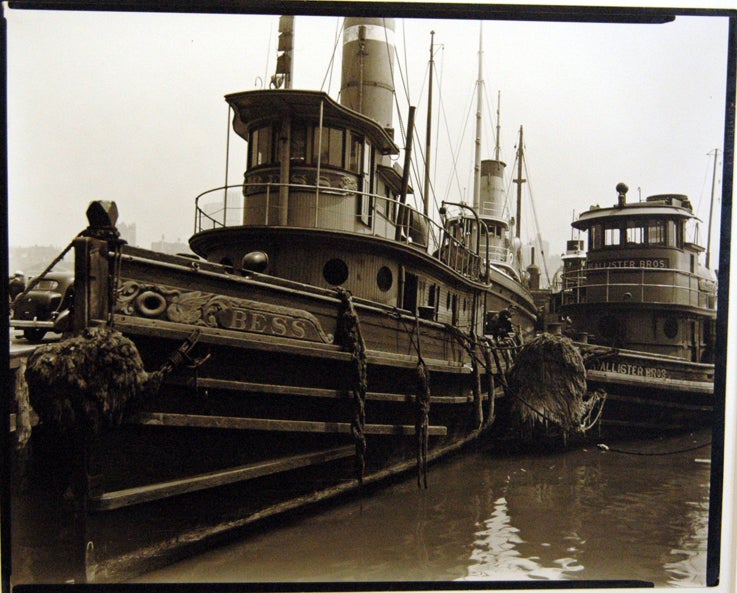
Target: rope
[
  {"x": 396, "y": 314},
  {"x": 34, "y": 282},
  {"x": 114, "y": 280},
  {"x": 486, "y": 349},
  {"x": 422, "y": 418},
  {"x": 598, "y": 397},
  {"x": 348, "y": 334},
  {"x": 422, "y": 399},
  {"x": 604, "y": 447},
  {"x": 477, "y": 401}
]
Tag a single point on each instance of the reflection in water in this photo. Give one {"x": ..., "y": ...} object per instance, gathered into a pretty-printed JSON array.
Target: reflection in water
[
  {"x": 687, "y": 568},
  {"x": 583, "y": 514},
  {"x": 496, "y": 554},
  {"x": 591, "y": 515}
]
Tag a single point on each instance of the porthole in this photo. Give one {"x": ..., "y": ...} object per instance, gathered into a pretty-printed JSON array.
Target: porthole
[
  {"x": 227, "y": 263},
  {"x": 335, "y": 272},
  {"x": 384, "y": 279},
  {"x": 670, "y": 327}
]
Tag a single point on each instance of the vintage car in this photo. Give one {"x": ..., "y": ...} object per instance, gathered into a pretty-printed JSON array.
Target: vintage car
[{"x": 45, "y": 307}]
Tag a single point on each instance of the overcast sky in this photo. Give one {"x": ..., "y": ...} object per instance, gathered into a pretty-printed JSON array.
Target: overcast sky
[{"x": 129, "y": 107}]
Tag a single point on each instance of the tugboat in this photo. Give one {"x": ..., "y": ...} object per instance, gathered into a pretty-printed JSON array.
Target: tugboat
[
  {"x": 327, "y": 336},
  {"x": 642, "y": 309}
]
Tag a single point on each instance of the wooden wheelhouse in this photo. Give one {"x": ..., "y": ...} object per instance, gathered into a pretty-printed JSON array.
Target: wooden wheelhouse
[{"x": 642, "y": 286}]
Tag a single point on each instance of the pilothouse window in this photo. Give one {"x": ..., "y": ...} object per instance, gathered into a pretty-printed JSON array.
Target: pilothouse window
[
  {"x": 330, "y": 146},
  {"x": 612, "y": 236},
  {"x": 261, "y": 146},
  {"x": 635, "y": 233},
  {"x": 298, "y": 148},
  {"x": 656, "y": 232},
  {"x": 596, "y": 237},
  {"x": 355, "y": 158}
]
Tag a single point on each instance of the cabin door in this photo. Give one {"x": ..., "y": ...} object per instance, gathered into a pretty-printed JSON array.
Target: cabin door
[{"x": 409, "y": 294}]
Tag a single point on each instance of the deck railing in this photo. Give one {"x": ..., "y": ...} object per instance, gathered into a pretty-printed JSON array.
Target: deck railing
[
  {"x": 378, "y": 216},
  {"x": 637, "y": 285}
]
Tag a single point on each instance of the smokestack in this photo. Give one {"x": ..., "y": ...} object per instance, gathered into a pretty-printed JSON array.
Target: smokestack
[
  {"x": 492, "y": 194},
  {"x": 534, "y": 271},
  {"x": 368, "y": 66}
]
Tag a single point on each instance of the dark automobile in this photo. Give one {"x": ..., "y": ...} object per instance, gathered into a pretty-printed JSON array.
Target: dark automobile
[{"x": 46, "y": 307}]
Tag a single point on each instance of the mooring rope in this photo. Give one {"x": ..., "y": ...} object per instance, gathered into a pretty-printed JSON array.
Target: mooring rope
[
  {"x": 604, "y": 447},
  {"x": 410, "y": 331},
  {"x": 486, "y": 349},
  {"x": 596, "y": 403},
  {"x": 476, "y": 387},
  {"x": 113, "y": 289},
  {"x": 422, "y": 419},
  {"x": 34, "y": 281},
  {"x": 348, "y": 334},
  {"x": 422, "y": 398}
]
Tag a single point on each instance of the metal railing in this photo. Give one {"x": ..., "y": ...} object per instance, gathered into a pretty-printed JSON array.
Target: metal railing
[
  {"x": 634, "y": 284},
  {"x": 379, "y": 216}
]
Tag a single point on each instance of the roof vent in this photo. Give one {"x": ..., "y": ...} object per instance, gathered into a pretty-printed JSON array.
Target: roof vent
[{"x": 621, "y": 194}]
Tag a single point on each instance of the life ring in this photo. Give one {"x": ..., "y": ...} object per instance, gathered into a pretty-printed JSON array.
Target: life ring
[{"x": 150, "y": 303}]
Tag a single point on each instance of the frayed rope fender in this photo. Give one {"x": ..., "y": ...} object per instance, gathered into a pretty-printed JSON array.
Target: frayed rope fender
[{"x": 93, "y": 380}]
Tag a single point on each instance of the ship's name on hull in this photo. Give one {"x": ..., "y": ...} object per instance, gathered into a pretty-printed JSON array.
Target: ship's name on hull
[
  {"x": 651, "y": 262},
  {"x": 266, "y": 323},
  {"x": 632, "y": 370}
]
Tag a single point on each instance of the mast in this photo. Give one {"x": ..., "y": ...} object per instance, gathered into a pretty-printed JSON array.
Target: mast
[
  {"x": 479, "y": 98},
  {"x": 519, "y": 181},
  {"x": 711, "y": 207},
  {"x": 284, "y": 62},
  {"x": 428, "y": 133},
  {"x": 498, "y": 148}
]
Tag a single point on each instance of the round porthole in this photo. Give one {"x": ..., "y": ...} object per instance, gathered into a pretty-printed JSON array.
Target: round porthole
[
  {"x": 335, "y": 272},
  {"x": 670, "y": 327},
  {"x": 227, "y": 263},
  {"x": 384, "y": 278}
]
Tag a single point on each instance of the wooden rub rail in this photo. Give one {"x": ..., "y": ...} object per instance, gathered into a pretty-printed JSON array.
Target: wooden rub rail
[
  {"x": 207, "y": 382},
  {"x": 239, "y": 423},
  {"x": 131, "y": 496}
]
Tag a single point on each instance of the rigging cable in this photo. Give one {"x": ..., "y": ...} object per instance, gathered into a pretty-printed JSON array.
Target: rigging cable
[
  {"x": 537, "y": 224},
  {"x": 604, "y": 447},
  {"x": 329, "y": 72}
]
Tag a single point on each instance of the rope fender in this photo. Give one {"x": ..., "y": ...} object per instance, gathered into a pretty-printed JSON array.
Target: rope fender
[
  {"x": 94, "y": 380},
  {"x": 348, "y": 334}
]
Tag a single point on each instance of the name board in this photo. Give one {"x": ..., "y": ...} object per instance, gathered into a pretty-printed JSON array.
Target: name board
[
  {"x": 272, "y": 323},
  {"x": 660, "y": 263},
  {"x": 632, "y": 370}
]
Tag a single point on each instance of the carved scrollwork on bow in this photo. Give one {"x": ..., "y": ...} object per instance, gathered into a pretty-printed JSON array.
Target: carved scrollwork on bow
[{"x": 217, "y": 311}]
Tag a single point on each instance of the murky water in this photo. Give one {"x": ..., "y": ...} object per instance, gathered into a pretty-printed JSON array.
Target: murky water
[{"x": 583, "y": 514}]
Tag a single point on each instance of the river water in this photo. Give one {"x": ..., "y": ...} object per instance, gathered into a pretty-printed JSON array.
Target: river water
[{"x": 637, "y": 511}]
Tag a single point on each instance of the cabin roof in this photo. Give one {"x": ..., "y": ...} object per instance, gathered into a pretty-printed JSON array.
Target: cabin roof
[
  {"x": 631, "y": 211},
  {"x": 252, "y": 106}
]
